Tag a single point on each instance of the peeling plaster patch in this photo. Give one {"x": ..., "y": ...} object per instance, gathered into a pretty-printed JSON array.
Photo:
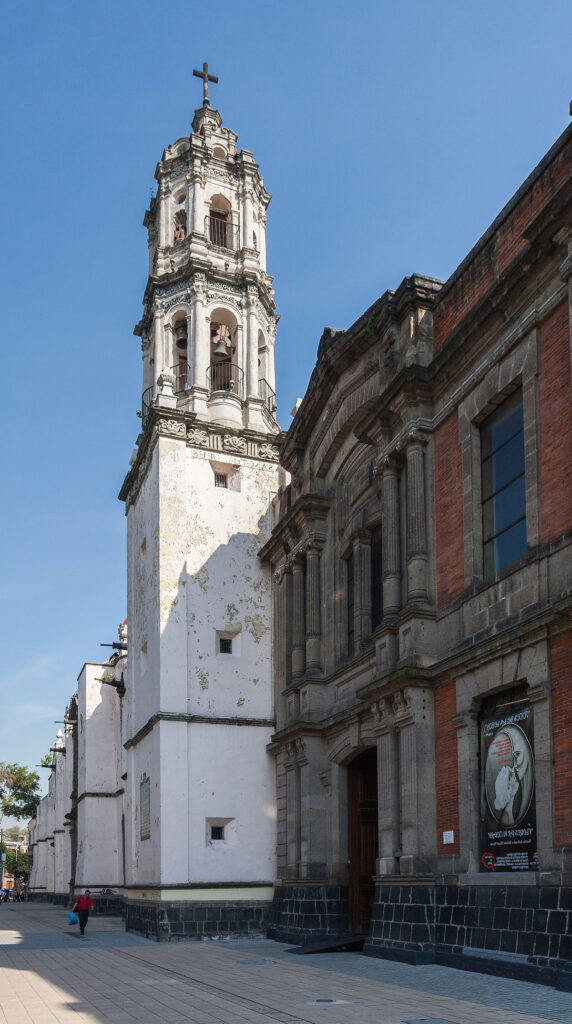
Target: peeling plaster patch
[
  {"x": 203, "y": 680},
  {"x": 256, "y": 627},
  {"x": 202, "y": 577},
  {"x": 231, "y": 611},
  {"x": 255, "y": 681},
  {"x": 233, "y": 627},
  {"x": 240, "y": 702}
]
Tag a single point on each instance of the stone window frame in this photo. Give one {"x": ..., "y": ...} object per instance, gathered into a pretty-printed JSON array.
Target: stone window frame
[{"x": 517, "y": 369}]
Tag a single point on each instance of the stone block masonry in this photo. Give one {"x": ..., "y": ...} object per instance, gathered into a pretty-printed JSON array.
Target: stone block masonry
[
  {"x": 179, "y": 922},
  {"x": 516, "y": 931}
]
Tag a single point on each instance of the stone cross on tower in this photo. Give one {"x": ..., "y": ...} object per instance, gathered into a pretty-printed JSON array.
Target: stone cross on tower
[{"x": 204, "y": 74}]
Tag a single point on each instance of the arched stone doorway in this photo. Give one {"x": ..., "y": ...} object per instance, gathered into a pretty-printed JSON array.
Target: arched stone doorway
[{"x": 362, "y": 838}]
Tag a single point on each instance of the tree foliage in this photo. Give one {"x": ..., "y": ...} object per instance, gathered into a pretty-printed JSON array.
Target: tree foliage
[
  {"x": 19, "y": 791},
  {"x": 15, "y": 834},
  {"x": 16, "y": 864}
]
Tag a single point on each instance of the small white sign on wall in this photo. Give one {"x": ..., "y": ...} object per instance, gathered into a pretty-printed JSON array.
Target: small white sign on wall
[{"x": 448, "y": 837}]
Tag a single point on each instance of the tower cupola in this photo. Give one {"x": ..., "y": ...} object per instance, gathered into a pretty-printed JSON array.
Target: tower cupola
[{"x": 209, "y": 321}]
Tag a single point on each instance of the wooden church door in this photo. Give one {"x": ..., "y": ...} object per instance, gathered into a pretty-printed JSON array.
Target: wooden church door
[{"x": 362, "y": 838}]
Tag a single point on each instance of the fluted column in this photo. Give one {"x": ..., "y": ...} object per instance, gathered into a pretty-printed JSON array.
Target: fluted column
[
  {"x": 313, "y": 610},
  {"x": 279, "y": 631},
  {"x": 201, "y": 341},
  {"x": 416, "y": 520},
  {"x": 165, "y": 215},
  {"x": 362, "y": 589},
  {"x": 190, "y": 349},
  {"x": 252, "y": 351},
  {"x": 247, "y": 221},
  {"x": 197, "y": 219},
  {"x": 298, "y": 619},
  {"x": 293, "y": 819},
  {"x": 390, "y": 526}
]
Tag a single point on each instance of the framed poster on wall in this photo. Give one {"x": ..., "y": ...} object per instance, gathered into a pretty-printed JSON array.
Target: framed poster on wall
[{"x": 508, "y": 806}]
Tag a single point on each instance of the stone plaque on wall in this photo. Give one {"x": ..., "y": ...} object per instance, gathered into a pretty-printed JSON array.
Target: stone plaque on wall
[
  {"x": 508, "y": 809},
  {"x": 145, "y": 807}
]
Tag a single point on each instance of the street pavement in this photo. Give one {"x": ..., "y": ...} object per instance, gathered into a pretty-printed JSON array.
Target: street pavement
[{"x": 49, "y": 973}]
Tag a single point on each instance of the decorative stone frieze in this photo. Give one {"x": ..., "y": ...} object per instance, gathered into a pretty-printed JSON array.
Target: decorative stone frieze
[
  {"x": 232, "y": 443},
  {"x": 174, "y": 428},
  {"x": 197, "y": 436}
]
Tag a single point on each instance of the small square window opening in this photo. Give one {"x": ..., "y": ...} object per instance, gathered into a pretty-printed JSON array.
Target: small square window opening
[
  {"x": 225, "y": 645},
  {"x": 221, "y": 480},
  {"x": 217, "y": 832}
]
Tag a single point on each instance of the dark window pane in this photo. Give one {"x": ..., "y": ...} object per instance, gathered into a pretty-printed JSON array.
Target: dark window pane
[
  {"x": 376, "y": 578},
  {"x": 502, "y": 424},
  {"x": 503, "y": 465},
  {"x": 503, "y": 486},
  {"x": 504, "y": 509},
  {"x": 507, "y": 547}
]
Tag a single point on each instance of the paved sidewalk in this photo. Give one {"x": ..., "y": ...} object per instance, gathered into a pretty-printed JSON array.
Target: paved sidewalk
[{"x": 49, "y": 974}]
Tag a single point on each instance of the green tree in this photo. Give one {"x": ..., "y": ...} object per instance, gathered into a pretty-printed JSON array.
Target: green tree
[
  {"x": 47, "y": 760},
  {"x": 19, "y": 791},
  {"x": 16, "y": 864},
  {"x": 15, "y": 834}
]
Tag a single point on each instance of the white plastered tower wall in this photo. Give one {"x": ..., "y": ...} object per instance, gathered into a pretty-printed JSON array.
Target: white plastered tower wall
[{"x": 198, "y": 708}]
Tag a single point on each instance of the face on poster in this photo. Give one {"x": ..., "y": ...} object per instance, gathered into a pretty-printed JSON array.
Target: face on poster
[{"x": 508, "y": 818}]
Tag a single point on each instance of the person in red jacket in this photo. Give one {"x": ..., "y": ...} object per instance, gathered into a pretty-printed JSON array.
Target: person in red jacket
[{"x": 83, "y": 905}]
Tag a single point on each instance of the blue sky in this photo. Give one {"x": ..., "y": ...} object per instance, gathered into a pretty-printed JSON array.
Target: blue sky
[{"x": 390, "y": 135}]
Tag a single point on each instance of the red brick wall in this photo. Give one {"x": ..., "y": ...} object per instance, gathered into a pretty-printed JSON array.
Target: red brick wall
[
  {"x": 555, "y": 425},
  {"x": 446, "y": 766},
  {"x": 561, "y": 672},
  {"x": 448, "y": 512},
  {"x": 500, "y": 250}
]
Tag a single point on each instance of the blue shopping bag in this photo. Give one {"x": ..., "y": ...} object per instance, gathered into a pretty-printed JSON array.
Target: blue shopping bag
[{"x": 72, "y": 919}]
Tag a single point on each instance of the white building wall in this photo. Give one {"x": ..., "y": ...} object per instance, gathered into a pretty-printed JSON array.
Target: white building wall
[{"x": 99, "y": 848}]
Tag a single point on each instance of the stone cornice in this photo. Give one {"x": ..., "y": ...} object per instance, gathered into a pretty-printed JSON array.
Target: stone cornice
[
  {"x": 299, "y": 522},
  {"x": 338, "y": 351},
  {"x": 204, "y": 436},
  {"x": 167, "y": 716}
]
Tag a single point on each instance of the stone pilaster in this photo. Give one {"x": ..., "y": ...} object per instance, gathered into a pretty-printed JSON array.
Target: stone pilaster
[
  {"x": 313, "y": 610},
  {"x": 313, "y": 836},
  {"x": 362, "y": 589},
  {"x": 292, "y": 817},
  {"x": 417, "y": 558},
  {"x": 298, "y": 618},
  {"x": 390, "y": 525},
  {"x": 468, "y": 742},
  {"x": 388, "y": 788}
]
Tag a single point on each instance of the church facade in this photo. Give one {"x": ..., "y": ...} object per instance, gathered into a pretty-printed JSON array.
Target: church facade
[
  {"x": 422, "y": 580},
  {"x": 344, "y": 706}
]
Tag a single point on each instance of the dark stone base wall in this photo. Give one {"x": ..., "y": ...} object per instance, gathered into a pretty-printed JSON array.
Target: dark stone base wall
[
  {"x": 58, "y": 898},
  {"x": 303, "y": 912},
  {"x": 515, "y": 931},
  {"x": 114, "y": 905},
  {"x": 185, "y": 922}
]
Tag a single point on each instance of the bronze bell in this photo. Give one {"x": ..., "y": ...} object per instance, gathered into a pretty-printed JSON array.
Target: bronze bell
[{"x": 181, "y": 342}]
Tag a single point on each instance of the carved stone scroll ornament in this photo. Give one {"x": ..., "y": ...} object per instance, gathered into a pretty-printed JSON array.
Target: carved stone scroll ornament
[
  {"x": 268, "y": 451},
  {"x": 198, "y": 437},
  {"x": 175, "y": 428},
  {"x": 401, "y": 703},
  {"x": 300, "y": 745},
  {"x": 234, "y": 444}
]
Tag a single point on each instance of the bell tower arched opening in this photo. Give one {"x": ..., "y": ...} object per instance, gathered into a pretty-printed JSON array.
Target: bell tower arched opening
[
  {"x": 225, "y": 373},
  {"x": 220, "y": 223}
]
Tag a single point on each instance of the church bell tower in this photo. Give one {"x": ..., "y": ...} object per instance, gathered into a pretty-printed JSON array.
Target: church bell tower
[
  {"x": 198, "y": 707},
  {"x": 209, "y": 320}
]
